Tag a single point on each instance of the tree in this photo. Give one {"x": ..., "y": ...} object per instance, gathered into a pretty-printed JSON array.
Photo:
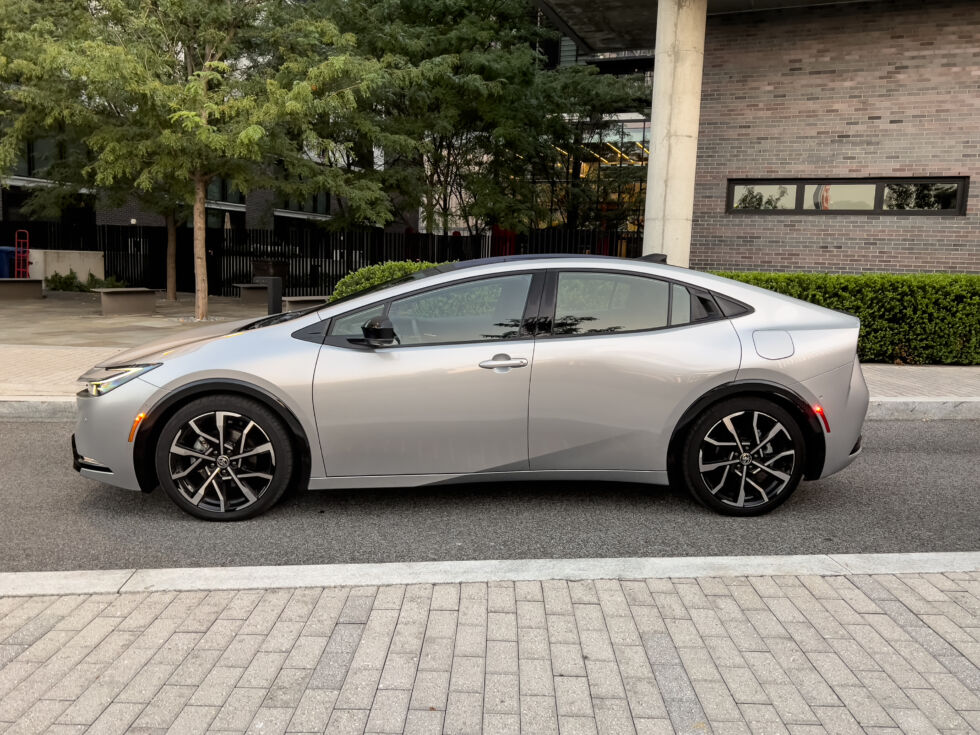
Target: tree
[
  {"x": 182, "y": 91},
  {"x": 495, "y": 125}
]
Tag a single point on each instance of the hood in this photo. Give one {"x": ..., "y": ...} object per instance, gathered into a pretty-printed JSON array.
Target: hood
[{"x": 197, "y": 334}]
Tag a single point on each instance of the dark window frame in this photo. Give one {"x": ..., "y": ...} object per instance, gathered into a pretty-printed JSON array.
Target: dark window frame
[{"x": 962, "y": 196}]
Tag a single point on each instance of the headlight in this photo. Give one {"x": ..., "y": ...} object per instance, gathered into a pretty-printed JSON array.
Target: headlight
[{"x": 102, "y": 380}]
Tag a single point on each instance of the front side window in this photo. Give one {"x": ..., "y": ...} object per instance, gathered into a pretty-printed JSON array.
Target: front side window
[
  {"x": 487, "y": 310},
  {"x": 608, "y": 303}
]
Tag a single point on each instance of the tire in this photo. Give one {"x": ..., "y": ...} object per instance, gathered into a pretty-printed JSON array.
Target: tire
[
  {"x": 223, "y": 486},
  {"x": 753, "y": 478}
]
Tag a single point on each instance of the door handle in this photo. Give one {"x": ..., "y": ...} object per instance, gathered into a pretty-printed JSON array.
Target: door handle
[{"x": 503, "y": 362}]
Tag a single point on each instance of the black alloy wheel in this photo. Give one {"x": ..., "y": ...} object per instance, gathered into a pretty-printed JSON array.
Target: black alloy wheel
[
  {"x": 224, "y": 458},
  {"x": 744, "y": 457}
]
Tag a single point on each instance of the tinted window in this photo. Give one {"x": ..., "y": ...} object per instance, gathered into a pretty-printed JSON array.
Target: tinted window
[
  {"x": 920, "y": 196},
  {"x": 349, "y": 325},
  {"x": 476, "y": 311},
  {"x": 605, "y": 303},
  {"x": 764, "y": 196},
  {"x": 680, "y": 305},
  {"x": 839, "y": 196}
]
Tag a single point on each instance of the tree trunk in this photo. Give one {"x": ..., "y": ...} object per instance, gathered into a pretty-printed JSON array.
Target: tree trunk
[
  {"x": 200, "y": 248},
  {"x": 171, "y": 257}
]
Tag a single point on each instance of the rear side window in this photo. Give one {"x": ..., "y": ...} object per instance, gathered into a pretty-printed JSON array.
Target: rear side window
[{"x": 607, "y": 303}]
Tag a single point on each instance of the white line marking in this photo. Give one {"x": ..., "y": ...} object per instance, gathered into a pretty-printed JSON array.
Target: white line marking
[{"x": 332, "y": 575}]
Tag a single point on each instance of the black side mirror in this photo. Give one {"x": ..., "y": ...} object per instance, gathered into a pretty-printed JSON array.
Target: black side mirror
[{"x": 379, "y": 332}]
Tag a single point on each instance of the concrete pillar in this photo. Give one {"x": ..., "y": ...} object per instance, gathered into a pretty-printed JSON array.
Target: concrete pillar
[{"x": 676, "y": 113}]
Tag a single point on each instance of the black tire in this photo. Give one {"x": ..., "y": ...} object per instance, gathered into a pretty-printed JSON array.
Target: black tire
[
  {"x": 757, "y": 476},
  {"x": 245, "y": 479}
]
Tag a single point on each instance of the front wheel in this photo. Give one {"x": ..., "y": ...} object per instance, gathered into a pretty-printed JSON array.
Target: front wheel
[
  {"x": 743, "y": 457},
  {"x": 224, "y": 458}
]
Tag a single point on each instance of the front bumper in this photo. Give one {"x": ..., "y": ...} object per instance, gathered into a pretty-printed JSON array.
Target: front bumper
[{"x": 100, "y": 445}]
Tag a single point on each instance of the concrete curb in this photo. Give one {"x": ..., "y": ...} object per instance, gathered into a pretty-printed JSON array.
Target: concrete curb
[
  {"x": 14, "y": 584},
  {"x": 912, "y": 408}
]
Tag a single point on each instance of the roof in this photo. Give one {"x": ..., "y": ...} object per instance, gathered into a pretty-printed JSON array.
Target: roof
[{"x": 629, "y": 25}]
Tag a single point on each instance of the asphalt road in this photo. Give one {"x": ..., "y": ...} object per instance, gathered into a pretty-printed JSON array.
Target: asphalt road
[{"x": 916, "y": 488}]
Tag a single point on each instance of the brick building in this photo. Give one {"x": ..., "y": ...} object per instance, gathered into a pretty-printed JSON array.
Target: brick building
[{"x": 840, "y": 137}]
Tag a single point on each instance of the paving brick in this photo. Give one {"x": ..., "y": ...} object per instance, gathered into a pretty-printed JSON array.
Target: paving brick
[
  {"x": 445, "y": 597},
  {"x": 567, "y": 660},
  {"x": 464, "y": 714},
  {"x": 358, "y": 690},
  {"x": 467, "y": 674},
  {"x": 165, "y": 706},
  {"x": 538, "y": 715},
  {"x": 431, "y": 690},
  {"x": 239, "y": 709},
  {"x": 424, "y": 722},
  {"x": 313, "y": 711},
  {"x": 502, "y": 694},
  {"x": 536, "y": 677},
  {"x": 612, "y": 717},
  {"x": 388, "y": 712},
  {"x": 347, "y": 722},
  {"x": 501, "y": 597},
  {"x": 270, "y": 721},
  {"x": 502, "y": 656}
]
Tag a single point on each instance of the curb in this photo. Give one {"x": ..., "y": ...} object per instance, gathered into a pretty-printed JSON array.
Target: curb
[
  {"x": 19, "y": 584},
  {"x": 911, "y": 408}
]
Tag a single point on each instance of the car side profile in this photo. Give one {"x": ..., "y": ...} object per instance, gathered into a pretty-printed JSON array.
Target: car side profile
[{"x": 529, "y": 367}]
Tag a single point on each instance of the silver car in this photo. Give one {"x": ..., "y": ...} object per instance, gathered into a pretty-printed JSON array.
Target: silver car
[{"x": 547, "y": 367}]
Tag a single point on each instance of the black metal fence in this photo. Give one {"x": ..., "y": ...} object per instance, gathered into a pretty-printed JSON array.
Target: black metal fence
[{"x": 310, "y": 261}]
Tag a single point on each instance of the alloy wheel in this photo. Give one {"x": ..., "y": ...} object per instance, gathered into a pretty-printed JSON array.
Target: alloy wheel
[
  {"x": 747, "y": 459},
  {"x": 222, "y": 461}
]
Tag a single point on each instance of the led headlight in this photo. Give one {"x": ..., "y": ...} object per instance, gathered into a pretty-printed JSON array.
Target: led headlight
[{"x": 102, "y": 380}]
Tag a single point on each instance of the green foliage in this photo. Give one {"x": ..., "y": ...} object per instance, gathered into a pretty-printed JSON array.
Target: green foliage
[
  {"x": 58, "y": 282},
  {"x": 907, "y": 319},
  {"x": 374, "y": 275},
  {"x": 71, "y": 282}
]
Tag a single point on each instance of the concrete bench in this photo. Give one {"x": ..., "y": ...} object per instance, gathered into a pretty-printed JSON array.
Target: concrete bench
[
  {"x": 253, "y": 293},
  {"x": 295, "y": 303},
  {"x": 127, "y": 300},
  {"x": 15, "y": 289}
]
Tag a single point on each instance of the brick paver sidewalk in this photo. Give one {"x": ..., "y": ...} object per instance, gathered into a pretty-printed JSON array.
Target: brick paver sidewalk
[{"x": 877, "y": 654}]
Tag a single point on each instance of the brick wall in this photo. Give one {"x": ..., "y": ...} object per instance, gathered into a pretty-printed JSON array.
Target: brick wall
[{"x": 869, "y": 89}]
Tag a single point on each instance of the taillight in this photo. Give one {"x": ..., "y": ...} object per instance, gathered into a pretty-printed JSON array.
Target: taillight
[{"x": 818, "y": 409}]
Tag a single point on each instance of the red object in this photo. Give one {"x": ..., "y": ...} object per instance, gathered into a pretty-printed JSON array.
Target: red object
[
  {"x": 22, "y": 254},
  {"x": 823, "y": 416}
]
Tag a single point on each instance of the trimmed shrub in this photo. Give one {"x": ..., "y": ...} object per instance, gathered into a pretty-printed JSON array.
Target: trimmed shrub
[
  {"x": 373, "y": 275},
  {"x": 915, "y": 319},
  {"x": 58, "y": 282}
]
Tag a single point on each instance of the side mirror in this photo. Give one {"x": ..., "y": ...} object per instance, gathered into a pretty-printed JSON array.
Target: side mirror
[{"x": 379, "y": 332}]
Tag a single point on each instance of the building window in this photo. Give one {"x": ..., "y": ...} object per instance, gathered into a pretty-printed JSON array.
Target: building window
[
  {"x": 318, "y": 203},
  {"x": 946, "y": 196},
  {"x": 222, "y": 190}
]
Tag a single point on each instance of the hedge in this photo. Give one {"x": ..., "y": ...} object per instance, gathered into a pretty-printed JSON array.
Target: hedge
[
  {"x": 373, "y": 275},
  {"x": 922, "y": 319}
]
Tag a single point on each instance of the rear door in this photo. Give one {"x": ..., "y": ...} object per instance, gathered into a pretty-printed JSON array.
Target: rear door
[{"x": 622, "y": 357}]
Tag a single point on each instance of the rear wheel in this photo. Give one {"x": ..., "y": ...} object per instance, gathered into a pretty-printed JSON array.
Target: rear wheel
[
  {"x": 744, "y": 456},
  {"x": 224, "y": 458}
]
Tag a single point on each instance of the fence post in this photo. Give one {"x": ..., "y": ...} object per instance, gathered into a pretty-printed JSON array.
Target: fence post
[{"x": 273, "y": 286}]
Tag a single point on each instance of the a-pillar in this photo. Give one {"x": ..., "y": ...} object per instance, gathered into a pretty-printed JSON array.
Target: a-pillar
[{"x": 678, "y": 63}]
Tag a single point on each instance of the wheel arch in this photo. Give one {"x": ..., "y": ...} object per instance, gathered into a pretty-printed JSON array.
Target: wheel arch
[
  {"x": 162, "y": 410},
  {"x": 816, "y": 446}
]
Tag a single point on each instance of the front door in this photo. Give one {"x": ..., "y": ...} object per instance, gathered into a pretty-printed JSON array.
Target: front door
[{"x": 451, "y": 398}]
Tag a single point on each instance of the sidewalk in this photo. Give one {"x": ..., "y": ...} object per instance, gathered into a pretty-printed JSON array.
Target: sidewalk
[
  {"x": 43, "y": 352},
  {"x": 796, "y": 653}
]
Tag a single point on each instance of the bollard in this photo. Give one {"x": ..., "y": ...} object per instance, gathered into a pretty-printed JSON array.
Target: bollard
[{"x": 273, "y": 289}]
